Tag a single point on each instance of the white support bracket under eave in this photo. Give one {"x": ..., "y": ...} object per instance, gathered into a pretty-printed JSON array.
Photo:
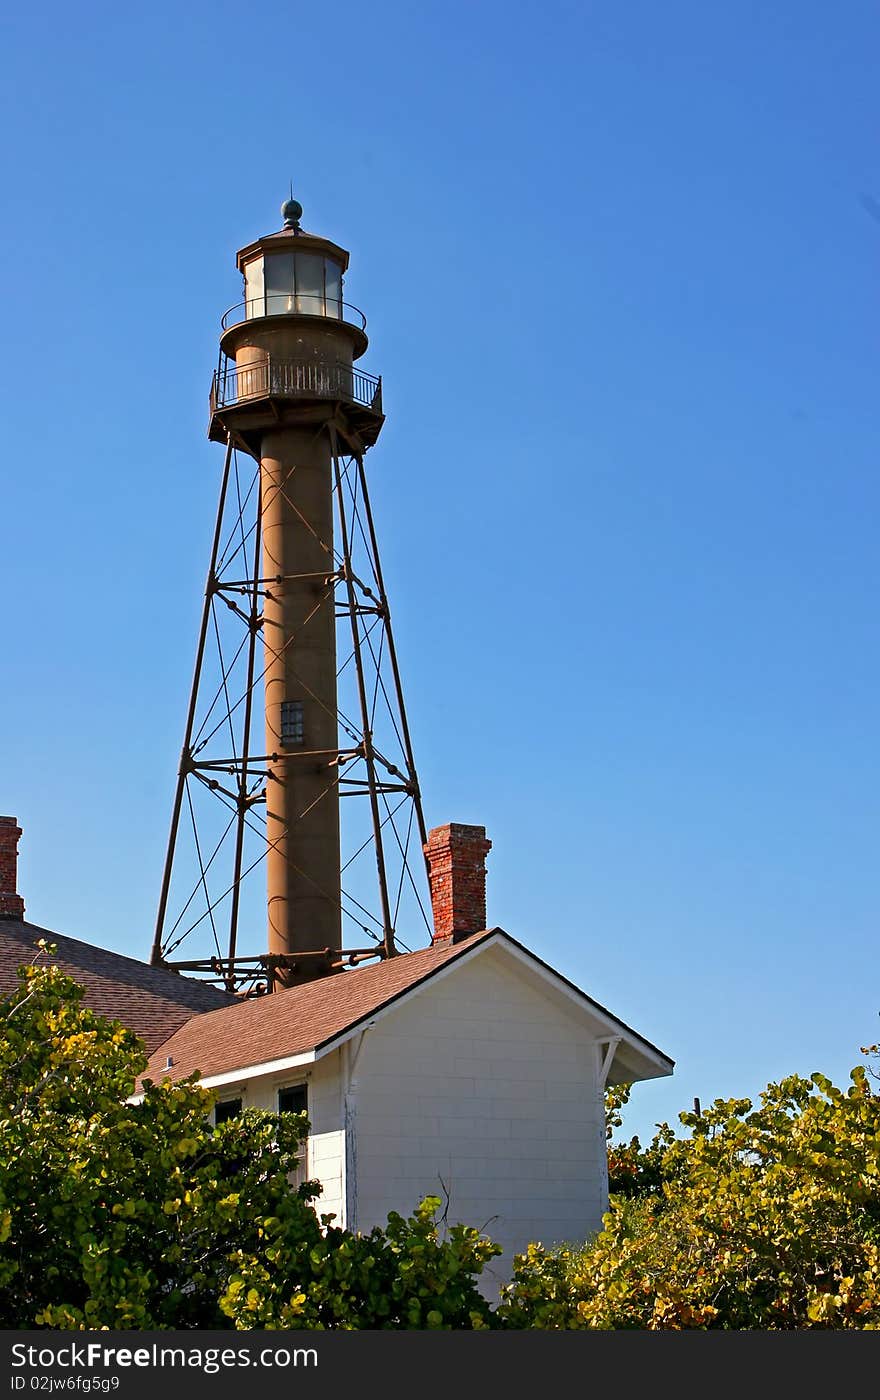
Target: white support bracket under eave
[{"x": 610, "y": 1046}]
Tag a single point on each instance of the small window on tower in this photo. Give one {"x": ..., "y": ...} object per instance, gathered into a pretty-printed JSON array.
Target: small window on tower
[{"x": 292, "y": 730}]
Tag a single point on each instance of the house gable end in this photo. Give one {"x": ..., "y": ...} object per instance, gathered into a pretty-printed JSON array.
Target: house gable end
[{"x": 633, "y": 1058}]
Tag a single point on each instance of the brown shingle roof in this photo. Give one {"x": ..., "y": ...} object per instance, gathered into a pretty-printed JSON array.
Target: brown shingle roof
[
  {"x": 298, "y": 1019},
  {"x": 151, "y": 1001}
]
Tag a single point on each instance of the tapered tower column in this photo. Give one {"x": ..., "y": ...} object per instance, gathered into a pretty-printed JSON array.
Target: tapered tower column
[{"x": 299, "y": 633}]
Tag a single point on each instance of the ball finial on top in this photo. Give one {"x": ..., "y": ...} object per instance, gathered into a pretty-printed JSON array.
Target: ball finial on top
[{"x": 291, "y": 212}]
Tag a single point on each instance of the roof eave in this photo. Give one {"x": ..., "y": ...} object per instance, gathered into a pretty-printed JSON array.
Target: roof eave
[
  {"x": 648, "y": 1061},
  {"x": 239, "y": 1076},
  {"x": 634, "y": 1058},
  {"x": 643, "y": 1060}
]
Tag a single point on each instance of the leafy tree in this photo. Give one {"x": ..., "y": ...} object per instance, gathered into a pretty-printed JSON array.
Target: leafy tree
[
  {"x": 633, "y": 1170},
  {"x": 123, "y": 1215},
  {"x": 764, "y": 1217}
]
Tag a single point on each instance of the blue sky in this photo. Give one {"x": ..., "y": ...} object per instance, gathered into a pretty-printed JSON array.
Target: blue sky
[{"x": 619, "y": 264}]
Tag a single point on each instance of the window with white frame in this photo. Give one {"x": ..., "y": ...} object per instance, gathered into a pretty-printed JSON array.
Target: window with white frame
[{"x": 294, "y": 1098}]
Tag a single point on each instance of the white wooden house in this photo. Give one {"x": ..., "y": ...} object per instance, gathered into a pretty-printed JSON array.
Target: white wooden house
[{"x": 469, "y": 1069}]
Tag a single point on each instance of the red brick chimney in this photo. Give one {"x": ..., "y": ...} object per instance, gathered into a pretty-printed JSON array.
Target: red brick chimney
[
  {"x": 457, "y": 875},
  {"x": 11, "y": 902}
]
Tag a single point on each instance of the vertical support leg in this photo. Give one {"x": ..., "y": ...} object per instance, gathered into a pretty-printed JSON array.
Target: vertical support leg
[
  {"x": 369, "y": 757},
  {"x": 185, "y": 753},
  {"x": 245, "y": 746},
  {"x": 392, "y": 657}
]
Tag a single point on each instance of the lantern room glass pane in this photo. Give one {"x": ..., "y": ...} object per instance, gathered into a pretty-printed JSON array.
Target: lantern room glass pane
[
  {"x": 279, "y": 284},
  {"x": 310, "y": 284},
  {"x": 282, "y": 282},
  {"x": 253, "y": 289},
  {"x": 333, "y": 283}
]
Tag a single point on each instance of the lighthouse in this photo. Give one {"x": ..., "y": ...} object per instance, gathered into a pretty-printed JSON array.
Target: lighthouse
[{"x": 290, "y": 395}]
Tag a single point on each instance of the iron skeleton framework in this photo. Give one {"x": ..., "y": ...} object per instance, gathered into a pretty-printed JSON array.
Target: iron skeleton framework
[{"x": 218, "y": 834}]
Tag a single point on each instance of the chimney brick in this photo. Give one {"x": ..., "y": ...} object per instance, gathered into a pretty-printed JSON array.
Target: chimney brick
[
  {"x": 11, "y": 902},
  {"x": 457, "y": 875}
]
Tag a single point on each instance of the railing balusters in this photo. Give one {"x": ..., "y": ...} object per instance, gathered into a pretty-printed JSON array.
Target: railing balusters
[
  {"x": 234, "y": 384},
  {"x": 275, "y": 304}
]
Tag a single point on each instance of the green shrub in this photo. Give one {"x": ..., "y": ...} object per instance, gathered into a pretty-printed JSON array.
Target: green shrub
[
  {"x": 764, "y": 1218},
  {"x": 123, "y": 1215}
]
